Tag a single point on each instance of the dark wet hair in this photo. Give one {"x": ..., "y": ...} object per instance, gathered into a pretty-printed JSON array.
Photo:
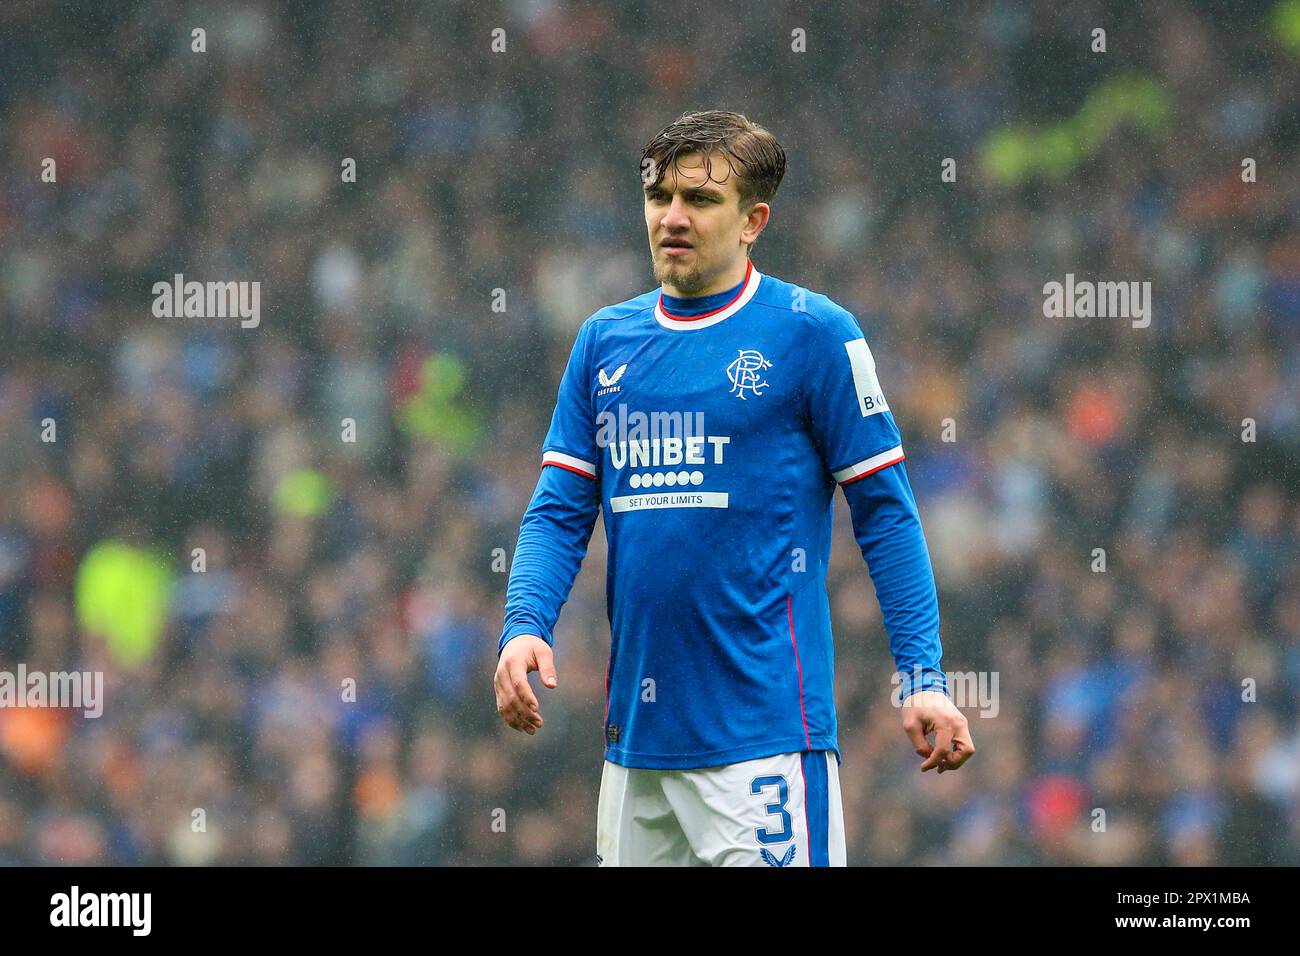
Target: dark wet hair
[{"x": 751, "y": 151}]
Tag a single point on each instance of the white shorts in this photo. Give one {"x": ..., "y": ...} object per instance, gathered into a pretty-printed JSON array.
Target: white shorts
[{"x": 783, "y": 810}]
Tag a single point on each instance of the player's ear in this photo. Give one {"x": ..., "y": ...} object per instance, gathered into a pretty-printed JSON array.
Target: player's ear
[{"x": 756, "y": 221}]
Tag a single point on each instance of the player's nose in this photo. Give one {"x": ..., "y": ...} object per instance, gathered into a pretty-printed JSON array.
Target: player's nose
[{"x": 676, "y": 218}]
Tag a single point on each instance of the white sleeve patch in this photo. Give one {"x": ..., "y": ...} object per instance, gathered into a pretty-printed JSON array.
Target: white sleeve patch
[{"x": 871, "y": 400}]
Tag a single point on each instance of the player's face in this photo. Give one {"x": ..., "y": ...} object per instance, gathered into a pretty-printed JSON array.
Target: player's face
[{"x": 698, "y": 235}]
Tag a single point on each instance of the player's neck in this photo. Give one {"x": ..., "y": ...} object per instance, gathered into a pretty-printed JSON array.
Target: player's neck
[{"x": 728, "y": 280}]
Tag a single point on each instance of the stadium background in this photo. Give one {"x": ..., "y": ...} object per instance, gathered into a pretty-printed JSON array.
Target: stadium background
[{"x": 518, "y": 171}]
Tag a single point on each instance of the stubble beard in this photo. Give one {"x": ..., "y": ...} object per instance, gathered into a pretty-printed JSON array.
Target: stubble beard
[{"x": 686, "y": 281}]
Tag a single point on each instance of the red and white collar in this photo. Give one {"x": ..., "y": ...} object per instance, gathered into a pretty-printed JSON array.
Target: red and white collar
[{"x": 687, "y": 323}]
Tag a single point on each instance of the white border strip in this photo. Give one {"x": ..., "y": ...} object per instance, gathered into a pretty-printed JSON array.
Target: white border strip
[
  {"x": 568, "y": 461},
  {"x": 688, "y": 325},
  {"x": 868, "y": 465},
  {"x": 669, "y": 498}
]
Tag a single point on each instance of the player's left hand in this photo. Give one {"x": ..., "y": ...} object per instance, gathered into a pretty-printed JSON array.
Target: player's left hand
[{"x": 930, "y": 711}]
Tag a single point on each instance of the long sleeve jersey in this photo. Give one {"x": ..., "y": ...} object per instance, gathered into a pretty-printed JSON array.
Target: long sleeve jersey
[{"x": 713, "y": 432}]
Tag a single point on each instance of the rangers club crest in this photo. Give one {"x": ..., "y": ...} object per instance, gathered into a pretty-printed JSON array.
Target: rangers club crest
[{"x": 746, "y": 372}]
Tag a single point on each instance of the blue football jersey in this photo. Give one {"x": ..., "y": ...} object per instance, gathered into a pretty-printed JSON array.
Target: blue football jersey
[{"x": 713, "y": 433}]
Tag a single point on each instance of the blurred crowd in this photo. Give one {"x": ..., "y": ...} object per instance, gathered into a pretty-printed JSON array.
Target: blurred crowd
[{"x": 286, "y": 547}]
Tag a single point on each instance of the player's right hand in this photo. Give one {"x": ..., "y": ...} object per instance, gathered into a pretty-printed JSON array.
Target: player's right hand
[{"x": 516, "y": 702}]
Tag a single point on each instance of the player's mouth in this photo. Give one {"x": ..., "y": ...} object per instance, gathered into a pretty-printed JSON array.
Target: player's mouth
[{"x": 676, "y": 247}]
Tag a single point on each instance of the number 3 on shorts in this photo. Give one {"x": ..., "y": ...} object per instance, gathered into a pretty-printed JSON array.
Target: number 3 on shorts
[{"x": 757, "y": 786}]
